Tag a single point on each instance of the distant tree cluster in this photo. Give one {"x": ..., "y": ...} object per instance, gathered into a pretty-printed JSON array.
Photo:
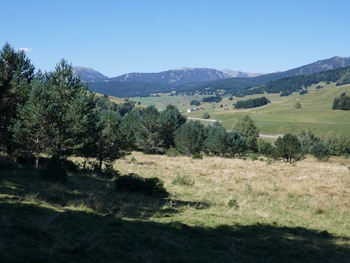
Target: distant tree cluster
[
  {"x": 342, "y": 102},
  {"x": 303, "y": 92},
  {"x": 212, "y": 99},
  {"x": 251, "y": 103},
  {"x": 195, "y": 103}
]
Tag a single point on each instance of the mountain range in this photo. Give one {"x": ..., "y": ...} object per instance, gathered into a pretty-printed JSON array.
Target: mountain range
[
  {"x": 89, "y": 74},
  {"x": 194, "y": 79}
]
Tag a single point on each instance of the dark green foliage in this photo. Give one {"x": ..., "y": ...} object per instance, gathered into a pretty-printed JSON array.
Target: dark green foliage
[
  {"x": 195, "y": 103},
  {"x": 288, "y": 147},
  {"x": 103, "y": 103},
  {"x": 320, "y": 151},
  {"x": 337, "y": 144},
  {"x": 110, "y": 140},
  {"x": 70, "y": 104},
  {"x": 172, "y": 152},
  {"x": 342, "y": 102},
  {"x": 247, "y": 128},
  {"x": 233, "y": 203},
  {"x": 130, "y": 125},
  {"x": 133, "y": 183},
  {"x": 235, "y": 143},
  {"x": 215, "y": 142},
  {"x": 230, "y": 98},
  {"x": 251, "y": 103},
  {"x": 285, "y": 93},
  {"x": 211, "y": 99},
  {"x": 32, "y": 129},
  {"x": 16, "y": 72},
  {"x": 319, "y": 87},
  {"x": 170, "y": 120},
  {"x": 266, "y": 148},
  {"x": 206, "y": 115},
  {"x": 189, "y": 138},
  {"x": 197, "y": 156},
  {"x": 148, "y": 136},
  {"x": 307, "y": 139},
  {"x": 303, "y": 92}
]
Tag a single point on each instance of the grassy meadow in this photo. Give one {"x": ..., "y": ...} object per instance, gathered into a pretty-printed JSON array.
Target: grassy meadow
[
  {"x": 278, "y": 117},
  {"x": 217, "y": 210}
]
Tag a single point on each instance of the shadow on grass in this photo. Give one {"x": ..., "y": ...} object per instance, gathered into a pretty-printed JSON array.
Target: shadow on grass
[
  {"x": 29, "y": 233},
  {"x": 86, "y": 220},
  {"x": 129, "y": 196}
]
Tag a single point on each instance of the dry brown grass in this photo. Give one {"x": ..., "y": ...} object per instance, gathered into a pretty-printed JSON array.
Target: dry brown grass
[{"x": 308, "y": 193}]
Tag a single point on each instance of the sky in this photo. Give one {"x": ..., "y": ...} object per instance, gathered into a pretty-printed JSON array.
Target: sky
[{"x": 116, "y": 37}]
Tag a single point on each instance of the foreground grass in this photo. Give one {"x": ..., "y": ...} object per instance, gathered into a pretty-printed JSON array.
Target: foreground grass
[{"x": 218, "y": 210}]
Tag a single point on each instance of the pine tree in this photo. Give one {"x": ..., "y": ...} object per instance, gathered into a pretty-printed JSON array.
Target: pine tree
[
  {"x": 148, "y": 137},
  {"x": 189, "y": 138},
  {"x": 70, "y": 105},
  {"x": 235, "y": 143},
  {"x": 247, "y": 128},
  {"x": 289, "y": 147},
  {"x": 16, "y": 72},
  {"x": 130, "y": 125},
  {"x": 32, "y": 128},
  {"x": 170, "y": 120},
  {"x": 110, "y": 140},
  {"x": 216, "y": 139}
]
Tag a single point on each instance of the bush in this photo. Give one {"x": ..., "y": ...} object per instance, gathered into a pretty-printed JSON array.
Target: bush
[
  {"x": 253, "y": 157},
  {"x": 320, "y": 151},
  {"x": 197, "y": 156},
  {"x": 206, "y": 115},
  {"x": 172, "y": 152},
  {"x": 183, "y": 181},
  {"x": 133, "y": 183},
  {"x": 233, "y": 203},
  {"x": 266, "y": 148}
]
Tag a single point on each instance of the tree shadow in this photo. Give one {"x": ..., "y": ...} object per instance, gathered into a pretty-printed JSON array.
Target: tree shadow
[
  {"x": 32, "y": 233},
  {"x": 86, "y": 220},
  {"x": 128, "y": 196}
]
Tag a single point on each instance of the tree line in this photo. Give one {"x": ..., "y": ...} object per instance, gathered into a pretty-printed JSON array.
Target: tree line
[{"x": 251, "y": 103}]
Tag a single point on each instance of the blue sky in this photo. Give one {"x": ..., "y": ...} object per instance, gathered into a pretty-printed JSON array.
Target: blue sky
[{"x": 117, "y": 37}]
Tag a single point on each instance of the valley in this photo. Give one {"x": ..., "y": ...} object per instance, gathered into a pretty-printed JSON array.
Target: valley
[{"x": 278, "y": 117}]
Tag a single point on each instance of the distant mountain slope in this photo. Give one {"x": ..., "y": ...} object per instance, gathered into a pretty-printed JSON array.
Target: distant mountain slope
[
  {"x": 240, "y": 74},
  {"x": 174, "y": 77},
  {"x": 318, "y": 66},
  {"x": 288, "y": 85},
  {"x": 89, "y": 75},
  {"x": 234, "y": 85}
]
